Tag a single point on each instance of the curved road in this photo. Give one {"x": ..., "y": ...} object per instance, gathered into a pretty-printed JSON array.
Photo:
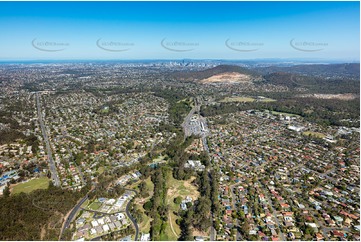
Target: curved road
[
  {"x": 130, "y": 216},
  {"x": 71, "y": 215},
  {"x": 76, "y": 208}
]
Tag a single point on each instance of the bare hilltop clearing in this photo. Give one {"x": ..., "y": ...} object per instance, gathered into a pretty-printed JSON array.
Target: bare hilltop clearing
[
  {"x": 228, "y": 77},
  {"x": 218, "y": 74}
]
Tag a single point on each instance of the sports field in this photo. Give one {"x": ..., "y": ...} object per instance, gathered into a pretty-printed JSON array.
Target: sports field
[
  {"x": 238, "y": 99},
  {"x": 246, "y": 99},
  {"x": 315, "y": 134},
  {"x": 286, "y": 114},
  {"x": 34, "y": 184}
]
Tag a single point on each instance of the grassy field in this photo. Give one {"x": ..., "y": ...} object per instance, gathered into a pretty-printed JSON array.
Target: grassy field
[
  {"x": 34, "y": 184},
  {"x": 238, "y": 99},
  {"x": 181, "y": 188},
  {"x": 85, "y": 204},
  {"x": 285, "y": 114},
  {"x": 246, "y": 99},
  {"x": 94, "y": 205},
  {"x": 148, "y": 182},
  {"x": 177, "y": 188},
  {"x": 315, "y": 134},
  {"x": 168, "y": 235},
  {"x": 101, "y": 170},
  {"x": 105, "y": 110},
  {"x": 144, "y": 226},
  {"x": 267, "y": 100},
  {"x": 158, "y": 159},
  {"x": 174, "y": 188},
  {"x": 150, "y": 186}
]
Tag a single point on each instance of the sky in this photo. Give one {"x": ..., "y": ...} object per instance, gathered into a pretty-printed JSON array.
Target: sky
[{"x": 179, "y": 30}]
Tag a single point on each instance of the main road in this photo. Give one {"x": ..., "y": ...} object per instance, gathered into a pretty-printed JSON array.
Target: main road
[
  {"x": 187, "y": 127},
  {"x": 52, "y": 167},
  {"x": 188, "y": 131},
  {"x": 71, "y": 215}
]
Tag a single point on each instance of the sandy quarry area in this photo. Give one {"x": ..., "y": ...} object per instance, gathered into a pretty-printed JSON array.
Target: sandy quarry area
[{"x": 228, "y": 77}]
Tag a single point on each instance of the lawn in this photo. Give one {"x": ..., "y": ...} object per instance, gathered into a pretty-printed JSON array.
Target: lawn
[
  {"x": 168, "y": 235},
  {"x": 246, "y": 99},
  {"x": 150, "y": 185},
  {"x": 158, "y": 159},
  {"x": 177, "y": 188},
  {"x": 34, "y": 184},
  {"x": 315, "y": 134},
  {"x": 85, "y": 204},
  {"x": 101, "y": 170},
  {"x": 285, "y": 114},
  {"x": 148, "y": 182},
  {"x": 105, "y": 110},
  {"x": 174, "y": 188},
  {"x": 238, "y": 99},
  {"x": 181, "y": 188},
  {"x": 94, "y": 205},
  {"x": 185, "y": 100},
  {"x": 267, "y": 100},
  {"x": 144, "y": 226}
]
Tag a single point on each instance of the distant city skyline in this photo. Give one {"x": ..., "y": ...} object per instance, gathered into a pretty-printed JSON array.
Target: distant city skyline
[{"x": 179, "y": 30}]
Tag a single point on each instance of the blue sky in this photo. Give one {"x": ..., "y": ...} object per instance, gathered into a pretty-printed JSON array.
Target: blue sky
[{"x": 177, "y": 30}]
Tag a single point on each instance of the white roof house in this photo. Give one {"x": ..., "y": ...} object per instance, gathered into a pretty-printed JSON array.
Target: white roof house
[
  {"x": 145, "y": 237},
  {"x": 120, "y": 216},
  {"x": 295, "y": 128},
  {"x": 94, "y": 223},
  {"x": 100, "y": 221},
  {"x": 105, "y": 227}
]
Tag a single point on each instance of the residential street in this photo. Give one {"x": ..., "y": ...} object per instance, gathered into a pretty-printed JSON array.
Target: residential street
[{"x": 52, "y": 166}]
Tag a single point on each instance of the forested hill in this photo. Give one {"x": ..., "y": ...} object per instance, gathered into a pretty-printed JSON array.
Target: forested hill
[
  {"x": 36, "y": 216},
  {"x": 348, "y": 70},
  {"x": 313, "y": 84},
  {"x": 333, "y": 78}
]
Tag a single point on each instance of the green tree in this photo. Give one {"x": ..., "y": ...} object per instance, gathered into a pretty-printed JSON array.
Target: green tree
[
  {"x": 178, "y": 200},
  {"x": 148, "y": 206},
  {"x": 6, "y": 191}
]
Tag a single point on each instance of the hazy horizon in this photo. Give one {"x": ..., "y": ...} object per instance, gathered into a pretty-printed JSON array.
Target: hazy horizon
[{"x": 257, "y": 60}]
